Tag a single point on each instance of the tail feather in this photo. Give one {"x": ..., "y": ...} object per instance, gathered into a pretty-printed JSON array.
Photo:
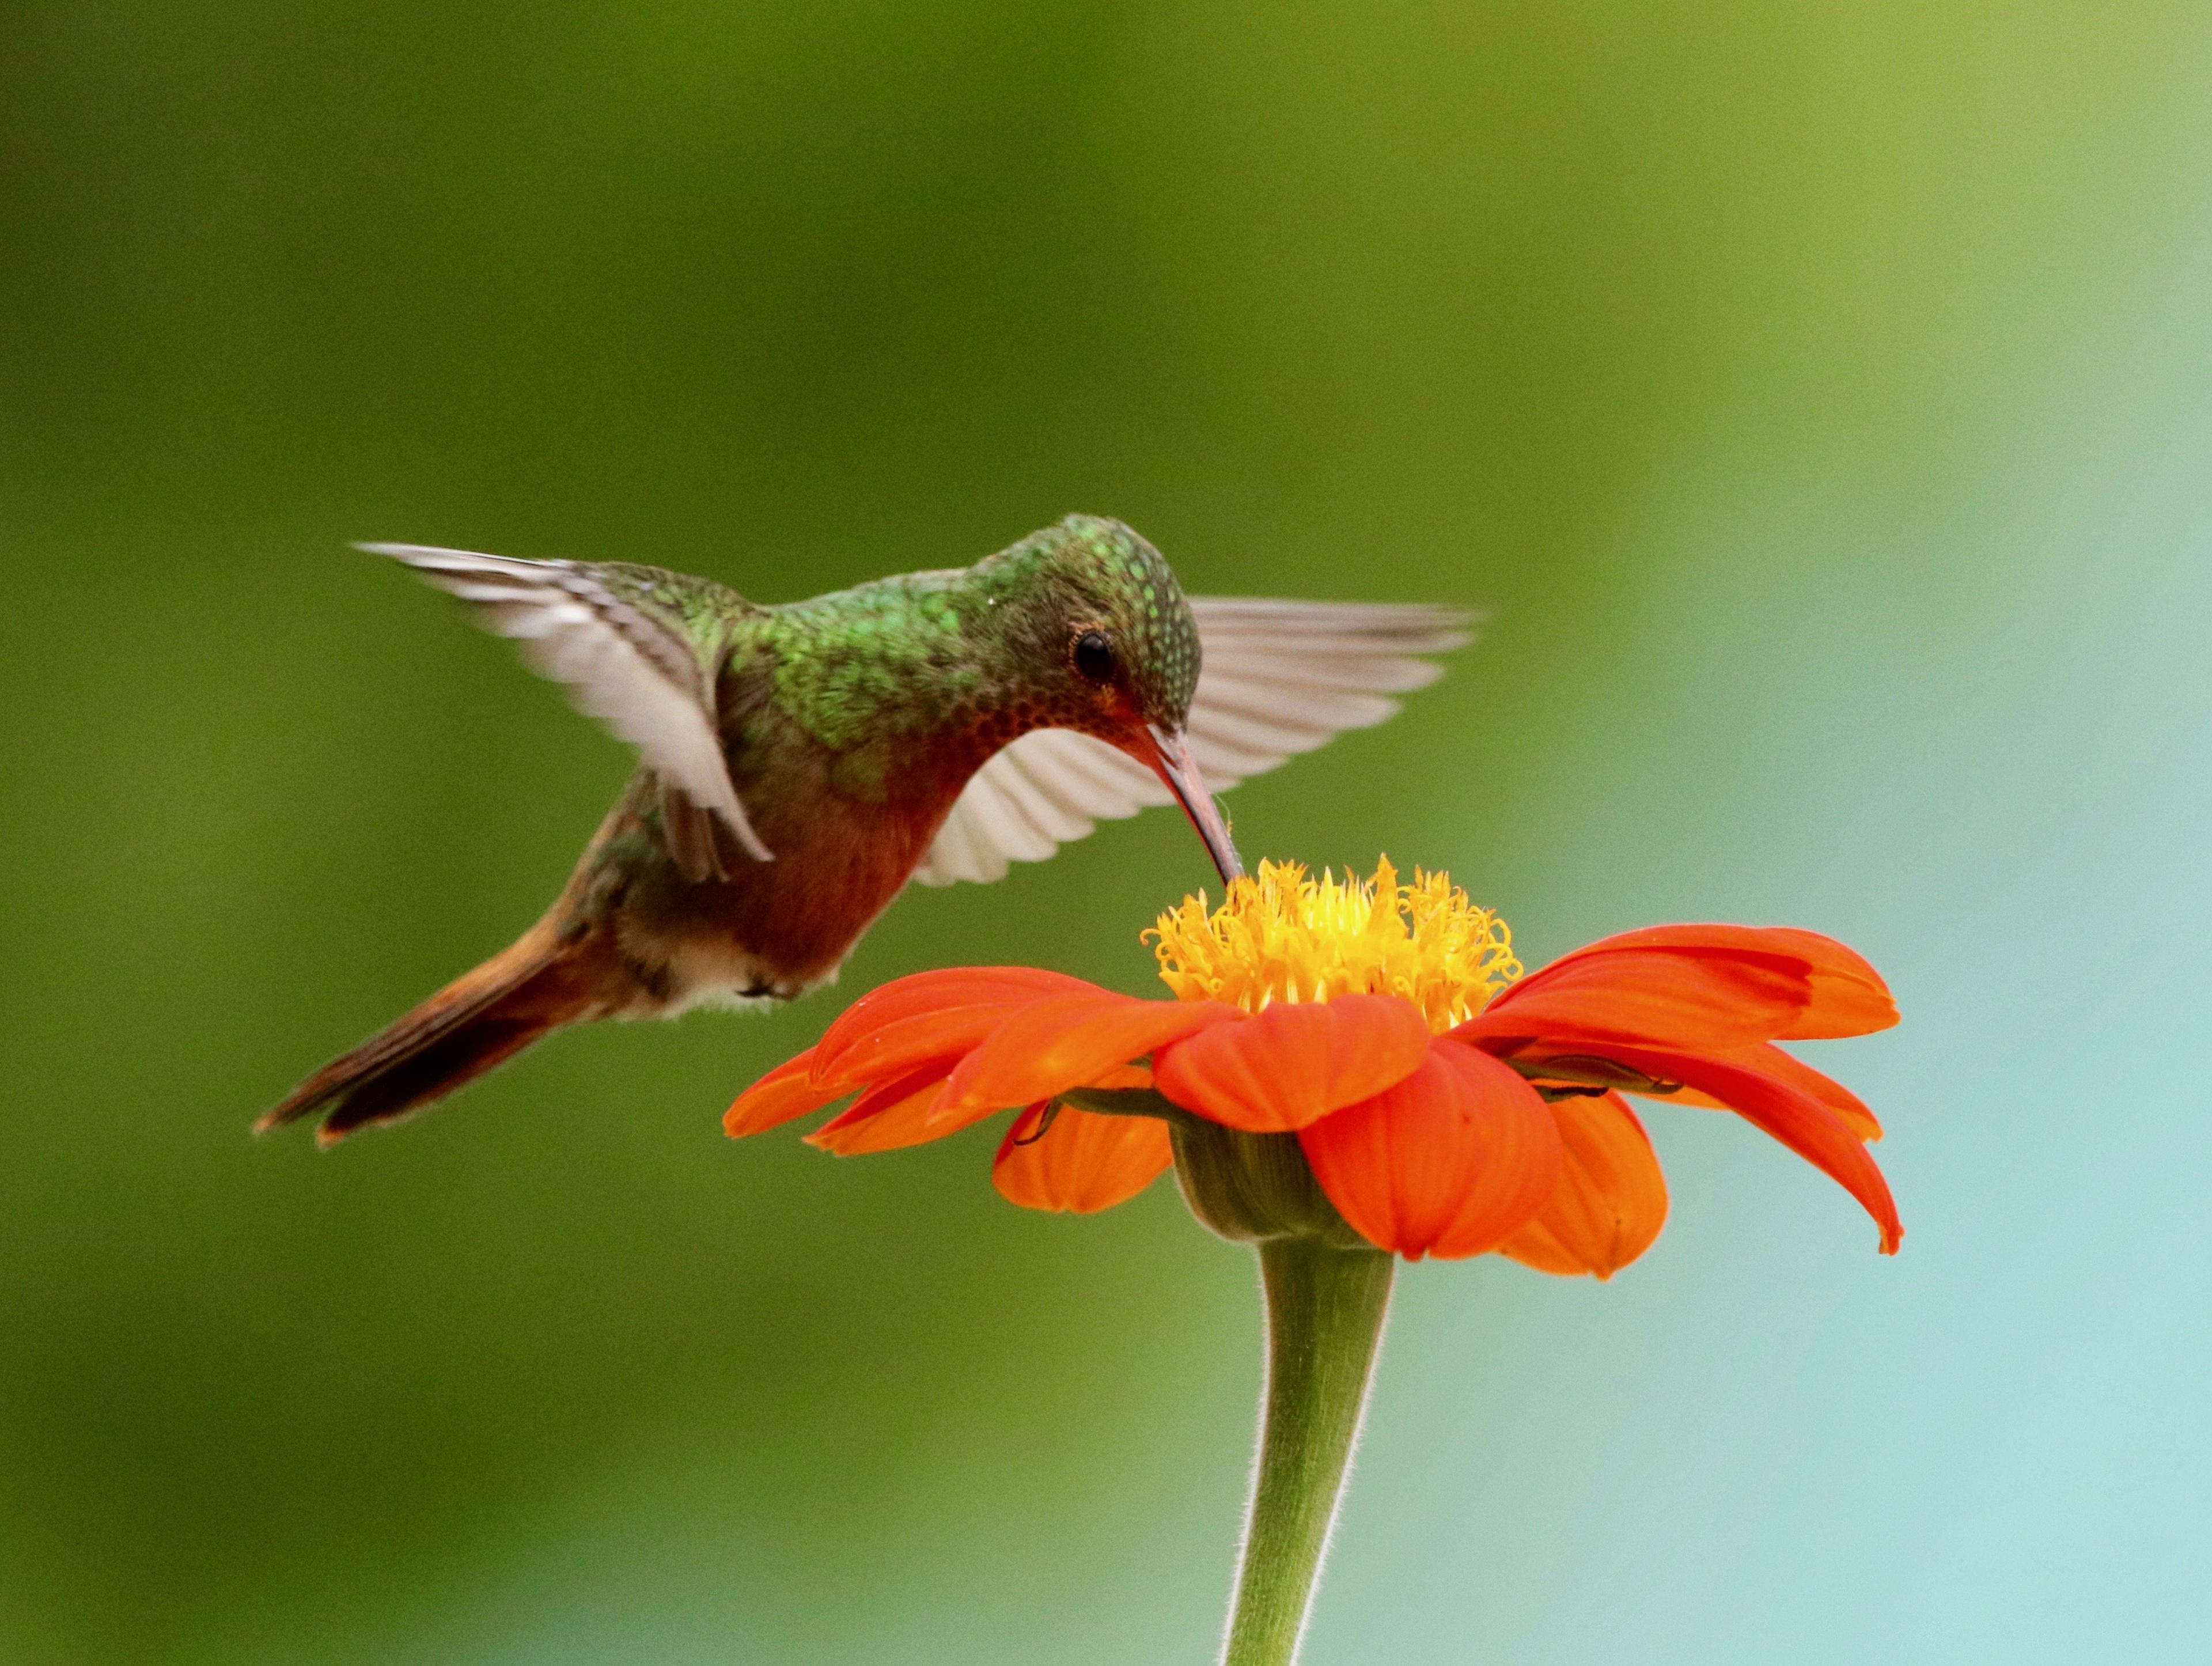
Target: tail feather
[{"x": 481, "y": 1019}]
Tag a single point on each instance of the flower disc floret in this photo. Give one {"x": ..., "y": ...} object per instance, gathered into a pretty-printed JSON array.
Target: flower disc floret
[{"x": 1282, "y": 936}]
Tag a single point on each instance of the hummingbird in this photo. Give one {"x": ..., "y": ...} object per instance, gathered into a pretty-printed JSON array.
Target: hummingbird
[{"x": 800, "y": 764}]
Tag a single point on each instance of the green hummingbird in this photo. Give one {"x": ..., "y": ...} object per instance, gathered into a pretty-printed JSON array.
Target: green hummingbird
[{"x": 798, "y": 765}]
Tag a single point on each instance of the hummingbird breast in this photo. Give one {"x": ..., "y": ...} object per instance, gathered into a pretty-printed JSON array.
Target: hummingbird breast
[{"x": 767, "y": 932}]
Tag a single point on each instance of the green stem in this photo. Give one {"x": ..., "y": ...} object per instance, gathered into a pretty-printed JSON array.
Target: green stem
[
  {"x": 1325, "y": 1308},
  {"x": 1130, "y": 1101}
]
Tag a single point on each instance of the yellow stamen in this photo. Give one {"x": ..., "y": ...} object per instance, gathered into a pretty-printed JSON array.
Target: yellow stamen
[{"x": 1281, "y": 936}]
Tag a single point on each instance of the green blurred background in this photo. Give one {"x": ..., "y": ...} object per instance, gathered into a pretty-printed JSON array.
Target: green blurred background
[{"x": 1819, "y": 399}]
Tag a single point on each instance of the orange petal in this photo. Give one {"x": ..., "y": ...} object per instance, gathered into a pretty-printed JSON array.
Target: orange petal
[
  {"x": 1849, "y": 996},
  {"x": 937, "y": 994},
  {"x": 1449, "y": 1162},
  {"x": 889, "y": 1116},
  {"x": 783, "y": 1093},
  {"x": 1082, "y": 1163},
  {"x": 1787, "y": 1066},
  {"x": 1819, "y": 1134},
  {"x": 905, "y": 1044},
  {"x": 1294, "y": 1062},
  {"x": 1652, "y": 996},
  {"x": 1070, "y": 1041},
  {"x": 1844, "y": 995},
  {"x": 1611, "y": 1200}
]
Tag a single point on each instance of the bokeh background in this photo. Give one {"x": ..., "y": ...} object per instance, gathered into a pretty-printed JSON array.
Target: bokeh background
[{"x": 1818, "y": 398}]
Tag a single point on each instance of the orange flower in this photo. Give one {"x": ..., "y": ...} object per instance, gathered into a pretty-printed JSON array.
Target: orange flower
[{"x": 1447, "y": 1104}]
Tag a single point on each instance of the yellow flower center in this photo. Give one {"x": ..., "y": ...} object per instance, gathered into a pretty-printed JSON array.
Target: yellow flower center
[{"x": 1281, "y": 936}]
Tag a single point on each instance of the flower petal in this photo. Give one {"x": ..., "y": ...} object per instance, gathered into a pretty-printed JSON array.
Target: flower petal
[
  {"x": 1082, "y": 1163},
  {"x": 785, "y": 1092},
  {"x": 1450, "y": 1161},
  {"x": 887, "y": 1116},
  {"x": 1294, "y": 1062},
  {"x": 1843, "y": 994},
  {"x": 1653, "y": 996},
  {"x": 1771, "y": 1060},
  {"x": 906, "y": 1044},
  {"x": 1069, "y": 1041},
  {"x": 1849, "y": 996},
  {"x": 1819, "y": 1134},
  {"x": 1611, "y": 1200},
  {"x": 957, "y": 997}
]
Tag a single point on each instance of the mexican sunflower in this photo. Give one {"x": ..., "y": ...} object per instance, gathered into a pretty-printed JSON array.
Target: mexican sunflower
[{"x": 1443, "y": 1102}]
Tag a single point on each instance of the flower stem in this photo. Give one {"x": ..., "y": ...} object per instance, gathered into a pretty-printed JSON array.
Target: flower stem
[{"x": 1325, "y": 1308}]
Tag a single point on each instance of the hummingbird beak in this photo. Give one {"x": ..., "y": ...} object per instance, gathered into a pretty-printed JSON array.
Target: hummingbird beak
[{"x": 1169, "y": 755}]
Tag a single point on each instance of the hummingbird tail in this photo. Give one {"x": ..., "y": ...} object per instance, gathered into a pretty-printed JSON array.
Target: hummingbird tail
[{"x": 481, "y": 1019}]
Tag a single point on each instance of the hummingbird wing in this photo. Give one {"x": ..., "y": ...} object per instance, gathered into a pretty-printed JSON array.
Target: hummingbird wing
[
  {"x": 638, "y": 673},
  {"x": 1279, "y": 677},
  {"x": 1034, "y": 794}
]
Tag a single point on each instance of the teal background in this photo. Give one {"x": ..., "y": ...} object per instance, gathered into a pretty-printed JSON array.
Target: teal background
[{"x": 1818, "y": 398}]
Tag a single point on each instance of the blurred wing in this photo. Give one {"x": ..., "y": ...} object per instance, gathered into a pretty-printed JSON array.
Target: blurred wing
[
  {"x": 638, "y": 675},
  {"x": 1036, "y": 793},
  {"x": 1280, "y": 677}
]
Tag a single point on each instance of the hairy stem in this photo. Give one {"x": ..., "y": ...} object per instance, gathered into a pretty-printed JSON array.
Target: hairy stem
[{"x": 1325, "y": 1308}]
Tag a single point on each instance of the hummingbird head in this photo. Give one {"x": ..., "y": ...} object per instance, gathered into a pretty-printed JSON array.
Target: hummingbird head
[{"x": 1103, "y": 626}]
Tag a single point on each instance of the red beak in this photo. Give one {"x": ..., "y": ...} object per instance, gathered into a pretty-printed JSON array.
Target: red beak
[{"x": 1169, "y": 755}]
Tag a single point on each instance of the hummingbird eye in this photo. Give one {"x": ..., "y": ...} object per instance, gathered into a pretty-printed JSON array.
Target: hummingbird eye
[{"x": 1094, "y": 656}]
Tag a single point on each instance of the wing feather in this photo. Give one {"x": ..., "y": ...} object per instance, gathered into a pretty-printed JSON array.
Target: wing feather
[
  {"x": 961, "y": 851},
  {"x": 1280, "y": 677},
  {"x": 1033, "y": 790},
  {"x": 1004, "y": 815},
  {"x": 640, "y": 676}
]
